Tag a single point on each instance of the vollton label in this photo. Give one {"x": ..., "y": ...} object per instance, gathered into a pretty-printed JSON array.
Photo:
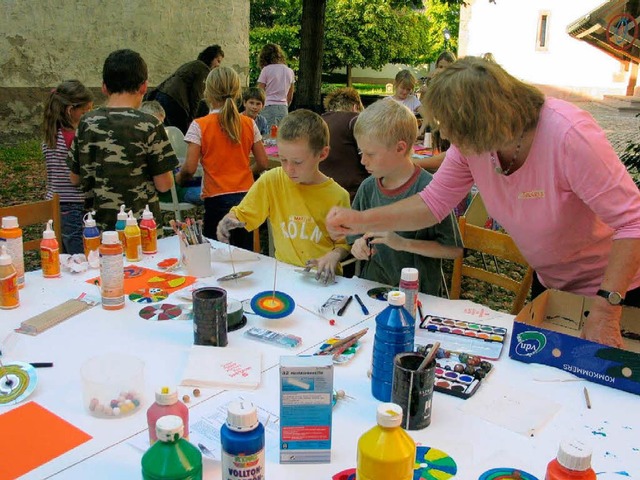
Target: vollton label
[{"x": 243, "y": 467}]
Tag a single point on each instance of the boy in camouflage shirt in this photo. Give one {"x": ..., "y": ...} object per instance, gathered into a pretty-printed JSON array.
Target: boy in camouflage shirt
[{"x": 121, "y": 155}]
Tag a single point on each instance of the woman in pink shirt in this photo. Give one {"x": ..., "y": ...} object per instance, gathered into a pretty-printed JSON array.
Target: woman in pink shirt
[
  {"x": 546, "y": 173},
  {"x": 276, "y": 79}
]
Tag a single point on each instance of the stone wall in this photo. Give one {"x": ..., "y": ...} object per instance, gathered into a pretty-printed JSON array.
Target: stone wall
[{"x": 43, "y": 42}]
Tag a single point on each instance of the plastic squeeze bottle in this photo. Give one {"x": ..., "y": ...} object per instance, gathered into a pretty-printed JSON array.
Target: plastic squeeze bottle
[
  {"x": 9, "y": 296},
  {"x": 394, "y": 334},
  {"x": 166, "y": 403},
  {"x": 90, "y": 234},
  {"x": 171, "y": 457},
  {"x": 111, "y": 272},
  {"x": 242, "y": 438},
  {"x": 50, "y": 252},
  {"x": 572, "y": 463},
  {"x": 410, "y": 285},
  {"x": 133, "y": 240},
  {"x": 148, "y": 229},
  {"x": 121, "y": 223},
  {"x": 386, "y": 451},
  {"x": 11, "y": 236}
]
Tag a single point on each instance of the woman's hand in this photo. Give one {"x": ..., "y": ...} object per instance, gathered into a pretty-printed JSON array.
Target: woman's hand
[{"x": 603, "y": 323}]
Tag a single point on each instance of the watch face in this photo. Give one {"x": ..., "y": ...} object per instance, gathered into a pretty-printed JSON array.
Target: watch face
[{"x": 615, "y": 298}]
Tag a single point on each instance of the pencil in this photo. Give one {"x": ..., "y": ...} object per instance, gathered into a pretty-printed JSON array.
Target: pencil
[
  {"x": 344, "y": 307},
  {"x": 344, "y": 342},
  {"x": 586, "y": 397},
  {"x": 365, "y": 310}
]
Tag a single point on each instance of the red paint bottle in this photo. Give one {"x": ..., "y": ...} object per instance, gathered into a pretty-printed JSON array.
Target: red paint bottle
[
  {"x": 572, "y": 463},
  {"x": 166, "y": 403}
]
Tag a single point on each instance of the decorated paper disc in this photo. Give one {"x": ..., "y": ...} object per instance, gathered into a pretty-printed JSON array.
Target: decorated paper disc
[
  {"x": 167, "y": 311},
  {"x": 166, "y": 282},
  {"x": 235, "y": 276},
  {"x": 349, "y": 474},
  {"x": 270, "y": 304},
  {"x": 17, "y": 381},
  {"x": 379, "y": 293},
  {"x": 506, "y": 474},
  {"x": 433, "y": 464},
  {"x": 168, "y": 264},
  {"x": 148, "y": 295},
  {"x": 131, "y": 271}
]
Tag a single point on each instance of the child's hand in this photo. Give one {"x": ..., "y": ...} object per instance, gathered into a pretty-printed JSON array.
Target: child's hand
[
  {"x": 390, "y": 239},
  {"x": 325, "y": 267},
  {"x": 361, "y": 249},
  {"x": 228, "y": 223}
]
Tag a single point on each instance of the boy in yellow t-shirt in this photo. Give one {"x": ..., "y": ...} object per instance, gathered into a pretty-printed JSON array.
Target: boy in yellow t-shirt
[{"x": 296, "y": 199}]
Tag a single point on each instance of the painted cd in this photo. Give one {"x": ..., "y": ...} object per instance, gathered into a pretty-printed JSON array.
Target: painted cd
[
  {"x": 433, "y": 464},
  {"x": 132, "y": 271},
  {"x": 235, "y": 276},
  {"x": 272, "y": 304},
  {"x": 380, "y": 293},
  {"x": 506, "y": 474},
  {"x": 349, "y": 474},
  {"x": 18, "y": 380},
  {"x": 167, "y": 311},
  {"x": 148, "y": 295}
]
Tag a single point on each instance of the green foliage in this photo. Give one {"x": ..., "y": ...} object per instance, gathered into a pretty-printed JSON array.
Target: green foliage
[{"x": 269, "y": 13}]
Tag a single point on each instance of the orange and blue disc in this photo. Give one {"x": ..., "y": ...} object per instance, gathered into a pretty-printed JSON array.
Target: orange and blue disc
[
  {"x": 272, "y": 304},
  {"x": 506, "y": 474}
]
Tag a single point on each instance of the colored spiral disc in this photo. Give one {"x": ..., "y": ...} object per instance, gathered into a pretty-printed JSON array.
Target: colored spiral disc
[
  {"x": 506, "y": 474},
  {"x": 433, "y": 464},
  {"x": 132, "y": 271},
  {"x": 272, "y": 304},
  {"x": 167, "y": 311},
  {"x": 235, "y": 276},
  {"x": 17, "y": 381},
  {"x": 148, "y": 295}
]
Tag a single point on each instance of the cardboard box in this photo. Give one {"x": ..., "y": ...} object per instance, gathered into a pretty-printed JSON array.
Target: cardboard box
[
  {"x": 306, "y": 402},
  {"x": 547, "y": 331}
]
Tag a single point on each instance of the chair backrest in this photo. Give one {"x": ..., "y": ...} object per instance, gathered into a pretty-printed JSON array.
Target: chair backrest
[
  {"x": 36, "y": 213},
  {"x": 176, "y": 137},
  {"x": 499, "y": 245}
]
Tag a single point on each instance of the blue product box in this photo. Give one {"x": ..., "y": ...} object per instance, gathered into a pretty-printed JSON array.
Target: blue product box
[
  {"x": 547, "y": 331},
  {"x": 306, "y": 401}
]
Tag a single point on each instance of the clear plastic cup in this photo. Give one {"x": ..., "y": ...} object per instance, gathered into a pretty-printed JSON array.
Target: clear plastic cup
[{"x": 112, "y": 385}]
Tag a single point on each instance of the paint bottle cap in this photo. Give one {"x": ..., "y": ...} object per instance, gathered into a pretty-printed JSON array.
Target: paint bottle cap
[
  {"x": 5, "y": 258},
  {"x": 10, "y": 222},
  {"x": 147, "y": 215},
  {"x": 409, "y": 274},
  {"x": 122, "y": 215},
  {"x": 88, "y": 219},
  {"x": 396, "y": 298},
  {"x": 574, "y": 455},
  {"x": 110, "y": 238},
  {"x": 131, "y": 220},
  {"x": 389, "y": 415},
  {"x": 169, "y": 428},
  {"x": 166, "y": 395},
  {"x": 242, "y": 416},
  {"x": 49, "y": 234}
]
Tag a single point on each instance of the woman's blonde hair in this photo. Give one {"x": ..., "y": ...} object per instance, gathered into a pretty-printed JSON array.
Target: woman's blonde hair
[
  {"x": 478, "y": 106},
  {"x": 405, "y": 77},
  {"x": 343, "y": 100},
  {"x": 388, "y": 122},
  {"x": 223, "y": 87}
]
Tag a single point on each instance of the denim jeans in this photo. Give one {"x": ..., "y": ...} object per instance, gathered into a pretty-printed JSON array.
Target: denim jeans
[{"x": 71, "y": 227}]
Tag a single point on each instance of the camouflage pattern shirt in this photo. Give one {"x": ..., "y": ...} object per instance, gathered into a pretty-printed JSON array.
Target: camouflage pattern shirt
[{"x": 116, "y": 153}]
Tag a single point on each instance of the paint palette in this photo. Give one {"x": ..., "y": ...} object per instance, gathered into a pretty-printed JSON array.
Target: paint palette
[
  {"x": 477, "y": 339},
  {"x": 458, "y": 374}
]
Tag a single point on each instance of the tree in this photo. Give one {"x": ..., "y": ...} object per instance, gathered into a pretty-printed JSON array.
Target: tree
[{"x": 311, "y": 53}]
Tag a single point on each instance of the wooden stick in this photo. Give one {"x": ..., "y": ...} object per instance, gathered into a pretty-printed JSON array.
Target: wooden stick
[
  {"x": 275, "y": 274},
  {"x": 233, "y": 267},
  {"x": 344, "y": 342},
  {"x": 430, "y": 356}
]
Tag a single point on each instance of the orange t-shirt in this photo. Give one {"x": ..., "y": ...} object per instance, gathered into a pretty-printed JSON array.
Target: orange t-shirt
[{"x": 225, "y": 164}]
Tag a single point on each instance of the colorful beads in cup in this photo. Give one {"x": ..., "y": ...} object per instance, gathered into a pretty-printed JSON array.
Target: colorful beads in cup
[{"x": 124, "y": 404}]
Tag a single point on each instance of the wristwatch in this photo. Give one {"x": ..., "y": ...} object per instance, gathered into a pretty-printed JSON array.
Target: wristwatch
[{"x": 614, "y": 298}]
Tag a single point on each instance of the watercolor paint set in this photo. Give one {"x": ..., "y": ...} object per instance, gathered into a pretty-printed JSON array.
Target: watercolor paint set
[
  {"x": 458, "y": 373},
  {"x": 479, "y": 339}
]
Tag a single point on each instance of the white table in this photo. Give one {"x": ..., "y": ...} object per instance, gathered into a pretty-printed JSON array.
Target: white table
[{"x": 612, "y": 425}]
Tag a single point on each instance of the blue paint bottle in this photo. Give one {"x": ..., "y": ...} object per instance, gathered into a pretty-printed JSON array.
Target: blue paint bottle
[
  {"x": 395, "y": 333},
  {"x": 242, "y": 439}
]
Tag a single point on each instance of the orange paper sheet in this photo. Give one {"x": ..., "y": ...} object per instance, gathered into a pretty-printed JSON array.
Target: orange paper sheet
[
  {"x": 141, "y": 281},
  {"x": 32, "y": 436}
]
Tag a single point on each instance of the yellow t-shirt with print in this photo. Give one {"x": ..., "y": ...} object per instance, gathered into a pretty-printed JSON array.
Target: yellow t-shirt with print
[{"x": 297, "y": 214}]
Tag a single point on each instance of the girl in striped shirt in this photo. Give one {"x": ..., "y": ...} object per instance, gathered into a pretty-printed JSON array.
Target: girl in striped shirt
[{"x": 62, "y": 111}]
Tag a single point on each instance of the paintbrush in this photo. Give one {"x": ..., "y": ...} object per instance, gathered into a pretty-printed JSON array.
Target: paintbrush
[
  {"x": 342, "y": 344},
  {"x": 430, "y": 356}
]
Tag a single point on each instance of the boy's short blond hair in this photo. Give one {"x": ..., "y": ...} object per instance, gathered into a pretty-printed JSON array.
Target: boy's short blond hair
[
  {"x": 153, "y": 107},
  {"x": 387, "y": 122},
  {"x": 343, "y": 100},
  {"x": 479, "y": 106},
  {"x": 405, "y": 78},
  {"x": 305, "y": 124}
]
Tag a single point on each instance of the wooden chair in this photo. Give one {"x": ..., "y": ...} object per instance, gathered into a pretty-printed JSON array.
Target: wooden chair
[
  {"x": 36, "y": 213},
  {"x": 497, "y": 244}
]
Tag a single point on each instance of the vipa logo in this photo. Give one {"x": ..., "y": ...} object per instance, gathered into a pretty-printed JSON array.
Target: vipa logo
[{"x": 530, "y": 343}]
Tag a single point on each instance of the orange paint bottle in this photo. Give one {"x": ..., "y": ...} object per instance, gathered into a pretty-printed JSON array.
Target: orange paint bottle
[
  {"x": 9, "y": 296},
  {"x": 11, "y": 236},
  {"x": 111, "y": 272},
  {"x": 149, "y": 232},
  {"x": 572, "y": 463},
  {"x": 50, "y": 252}
]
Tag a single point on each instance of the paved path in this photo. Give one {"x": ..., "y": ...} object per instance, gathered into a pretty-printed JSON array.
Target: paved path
[{"x": 620, "y": 127}]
